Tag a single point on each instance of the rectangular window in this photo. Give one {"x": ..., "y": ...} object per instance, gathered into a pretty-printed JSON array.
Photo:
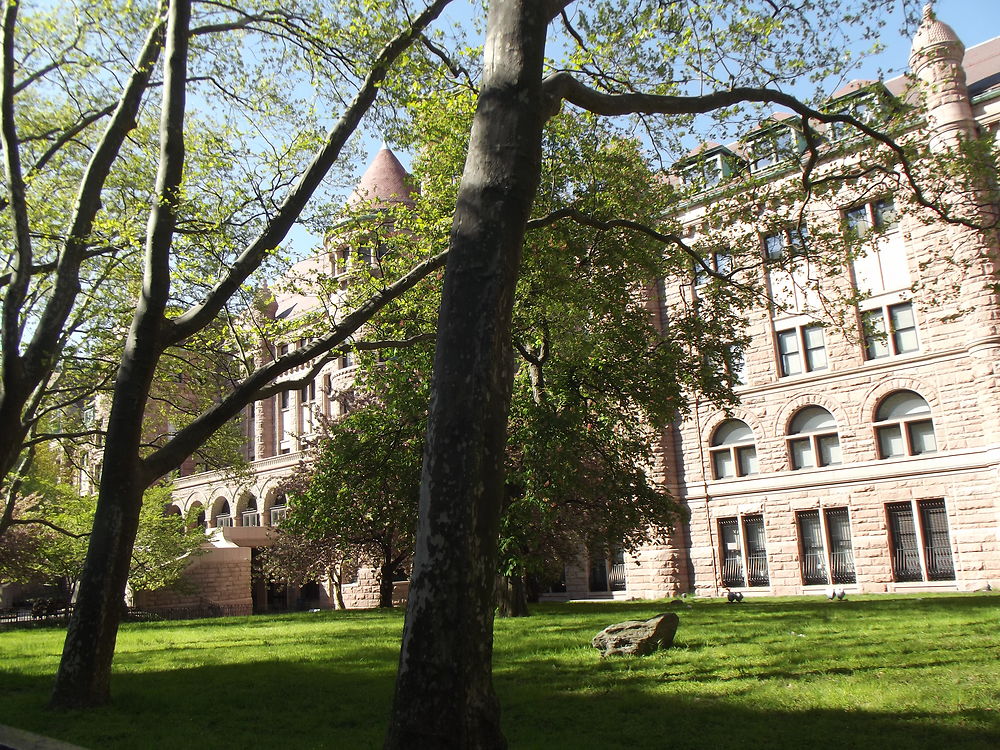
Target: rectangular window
[
  {"x": 937, "y": 544},
  {"x": 732, "y": 557},
  {"x": 774, "y": 246},
  {"x": 607, "y": 570},
  {"x": 857, "y": 221},
  {"x": 789, "y": 242},
  {"x": 811, "y": 543},
  {"x": 900, "y": 338},
  {"x": 723, "y": 464},
  {"x": 838, "y": 530},
  {"x": 746, "y": 457},
  {"x": 788, "y": 348},
  {"x": 721, "y": 262},
  {"x": 903, "y": 328},
  {"x": 802, "y": 454},
  {"x": 828, "y": 447},
  {"x": 744, "y": 552},
  {"x": 736, "y": 364},
  {"x": 825, "y": 544},
  {"x": 815, "y": 348},
  {"x": 890, "y": 441},
  {"x": 921, "y": 436},
  {"x": 756, "y": 550},
  {"x": 793, "y": 342},
  {"x": 307, "y": 393},
  {"x": 284, "y": 399},
  {"x": 921, "y": 547},
  {"x": 880, "y": 214},
  {"x": 876, "y": 339}
]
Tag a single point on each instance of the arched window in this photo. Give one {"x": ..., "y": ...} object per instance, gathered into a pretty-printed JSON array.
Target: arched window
[
  {"x": 903, "y": 426},
  {"x": 251, "y": 517},
  {"x": 224, "y": 515},
  {"x": 733, "y": 451},
  {"x": 813, "y": 439},
  {"x": 279, "y": 509}
]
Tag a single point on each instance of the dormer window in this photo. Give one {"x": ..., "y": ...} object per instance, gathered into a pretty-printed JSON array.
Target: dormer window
[
  {"x": 773, "y": 146},
  {"x": 871, "y": 105},
  {"x": 708, "y": 168},
  {"x": 704, "y": 173}
]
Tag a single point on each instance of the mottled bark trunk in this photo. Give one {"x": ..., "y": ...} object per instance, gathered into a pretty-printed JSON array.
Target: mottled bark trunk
[
  {"x": 84, "y": 672},
  {"x": 444, "y": 689},
  {"x": 338, "y": 595},
  {"x": 512, "y": 596}
]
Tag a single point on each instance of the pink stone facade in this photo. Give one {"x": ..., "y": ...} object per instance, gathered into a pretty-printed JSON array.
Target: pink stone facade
[
  {"x": 859, "y": 503},
  {"x": 869, "y": 464}
]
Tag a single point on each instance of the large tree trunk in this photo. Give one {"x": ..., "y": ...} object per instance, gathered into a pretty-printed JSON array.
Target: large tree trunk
[
  {"x": 385, "y": 576},
  {"x": 84, "y": 672},
  {"x": 444, "y": 688},
  {"x": 512, "y": 596}
]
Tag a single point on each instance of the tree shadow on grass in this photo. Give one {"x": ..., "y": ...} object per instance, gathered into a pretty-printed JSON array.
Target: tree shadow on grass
[
  {"x": 326, "y": 704},
  {"x": 639, "y": 720},
  {"x": 263, "y": 704}
]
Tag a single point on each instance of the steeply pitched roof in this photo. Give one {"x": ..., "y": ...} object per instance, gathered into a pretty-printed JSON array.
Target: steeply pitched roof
[{"x": 385, "y": 181}]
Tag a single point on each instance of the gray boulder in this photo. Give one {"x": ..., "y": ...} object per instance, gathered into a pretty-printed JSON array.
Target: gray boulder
[{"x": 637, "y": 637}]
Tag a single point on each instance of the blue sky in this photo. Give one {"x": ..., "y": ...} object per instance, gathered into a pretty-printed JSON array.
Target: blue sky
[{"x": 974, "y": 21}]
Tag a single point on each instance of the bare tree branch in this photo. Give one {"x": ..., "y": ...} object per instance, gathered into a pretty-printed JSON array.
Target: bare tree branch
[
  {"x": 88, "y": 202},
  {"x": 192, "y": 436},
  {"x": 49, "y": 524},
  {"x": 564, "y": 87},
  {"x": 277, "y": 228}
]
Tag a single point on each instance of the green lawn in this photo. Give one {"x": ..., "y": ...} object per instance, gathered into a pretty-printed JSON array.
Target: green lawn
[{"x": 875, "y": 672}]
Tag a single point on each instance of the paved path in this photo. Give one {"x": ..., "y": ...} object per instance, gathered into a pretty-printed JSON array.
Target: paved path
[{"x": 18, "y": 739}]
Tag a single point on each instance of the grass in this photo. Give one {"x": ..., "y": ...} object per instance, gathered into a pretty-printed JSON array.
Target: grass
[{"x": 878, "y": 671}]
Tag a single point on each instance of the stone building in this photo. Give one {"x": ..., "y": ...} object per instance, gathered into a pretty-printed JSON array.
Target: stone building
[
  {"x": 239, "y": 512},
  {"x": 864, "y": 454}
]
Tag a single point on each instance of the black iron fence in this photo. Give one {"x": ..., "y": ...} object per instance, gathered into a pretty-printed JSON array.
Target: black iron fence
[{"x": 57, "y": 616}]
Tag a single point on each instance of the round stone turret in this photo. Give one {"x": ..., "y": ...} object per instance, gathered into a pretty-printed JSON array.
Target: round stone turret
[
  {"x": 936, "y": 60},
  {"x": 385, "y": 181}
]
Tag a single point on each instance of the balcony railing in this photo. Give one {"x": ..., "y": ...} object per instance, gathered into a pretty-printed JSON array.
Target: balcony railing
[
  {"x": 732, "y": 571},
  {"x": 940, "y": 566},
  {"x": 757, "y": 569},
  {"x": 842, "y": 565},
  {"x": 616, "y": 577}
]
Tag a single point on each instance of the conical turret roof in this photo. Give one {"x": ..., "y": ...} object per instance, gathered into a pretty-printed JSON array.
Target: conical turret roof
[
  {"x": 933, "y": 33},
  {"x": 385, "y": 181}
]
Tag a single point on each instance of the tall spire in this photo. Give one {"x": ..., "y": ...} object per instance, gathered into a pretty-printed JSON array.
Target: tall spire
[{"x": 385, "y": 181}]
